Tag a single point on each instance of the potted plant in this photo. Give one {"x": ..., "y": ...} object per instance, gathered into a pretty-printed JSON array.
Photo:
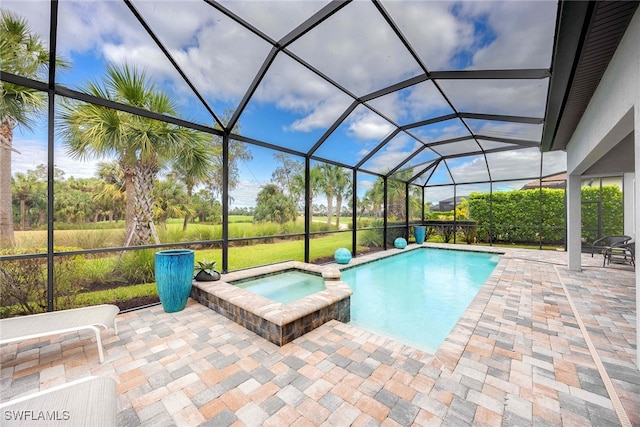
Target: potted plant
[{"x": 206, "y": 271}]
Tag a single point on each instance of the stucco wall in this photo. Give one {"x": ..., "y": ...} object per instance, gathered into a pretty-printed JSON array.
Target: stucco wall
[{"x": 613, "y": 113}]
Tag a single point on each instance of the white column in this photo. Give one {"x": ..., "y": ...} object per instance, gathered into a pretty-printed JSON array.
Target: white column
[
  {"x": 636, "y": 215},
  {"x": 574, "y": 222},
  {"x": 629, "y": 199}
]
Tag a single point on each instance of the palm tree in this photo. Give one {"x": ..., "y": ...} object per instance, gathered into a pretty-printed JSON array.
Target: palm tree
[
  {"x": 171, "y": 201},
  {"x": 336, "y": 182},
  {"x": 327, "y": 187},
  {"x": 21, "y": 53},
  {"x": 142, "y": 146},
  {"x": 193, "y": 171},
  {"x": 107, "y": 198},
  {"x": 110, "y": 197},
  {"x": 343, "y": 189},
  {"x": 315, "y": 186}
]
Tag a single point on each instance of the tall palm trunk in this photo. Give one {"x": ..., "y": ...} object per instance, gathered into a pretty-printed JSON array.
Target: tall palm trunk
[
  {"x": 329, "y": 207},
  {"x": 187, "y": 216},
  {"x": 130, "y": 197},
  {"x": 143, "y": 182},
  {"x": 7, "y": 124},
  {"x": 338, "y": 208}
]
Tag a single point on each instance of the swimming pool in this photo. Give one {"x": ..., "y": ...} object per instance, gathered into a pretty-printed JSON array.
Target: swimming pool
[
  {"x": 284, "y": 287},
  {"x": 418, "y": 296}
]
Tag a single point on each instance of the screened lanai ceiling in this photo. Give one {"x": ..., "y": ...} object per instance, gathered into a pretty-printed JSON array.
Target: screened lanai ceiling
[{"x": 432, "y": 93}]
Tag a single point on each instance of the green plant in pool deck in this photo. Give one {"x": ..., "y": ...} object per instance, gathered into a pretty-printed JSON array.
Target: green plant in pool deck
[{"x": 206, "y": 271}]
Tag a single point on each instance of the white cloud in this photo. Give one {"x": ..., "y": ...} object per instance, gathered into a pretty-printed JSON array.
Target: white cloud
[
  {"x": 396, "y": 151},
  {"x": 524, "y": 33},
  {"x": 506, "y": 129},
  {"x": 416, "y": 103},
  {"x": 275, "y": 18},
  {"x": 364, "y": 124},
  {"x": 509, "y": 97},
  {"x": 293, "y": 88},
  {"x": 432, "y": 29},
  {"x": 33, "y": 152},
  {"x": 469, "y": 169},
  {"x": 355, "y": 48},
  {"x": 554, "y": 162},
  {"x": 245, "y": 194}
]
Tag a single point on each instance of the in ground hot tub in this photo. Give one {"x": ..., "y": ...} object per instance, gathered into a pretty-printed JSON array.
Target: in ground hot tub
[
  {"x": 278, "y": 322},
  {"x": 285, "y": 287}
]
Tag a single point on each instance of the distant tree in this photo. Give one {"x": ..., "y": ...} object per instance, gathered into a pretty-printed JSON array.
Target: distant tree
[
  {"x": 205, "y": 207},
  {"x": 110, "y": 197},
  {"x": 238, "y": 152},
  {"x": 315, "y": 186},
  {"x": 462, "y": 209},
  {"x": 24, "y": 185},
  {"x": 336, "y": 182},
  {"x": 170, "y": 201},
  {"x": 284, "y": 176},
  {"x": 194, "y": 173},
  {"x": 342, "y": 188},
  {"x": 273, "y": 205},
  {"x": 373, "y": 199}
]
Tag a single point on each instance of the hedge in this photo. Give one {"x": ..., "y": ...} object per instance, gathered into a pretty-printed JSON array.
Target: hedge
[{"x": 516, "y": 214}]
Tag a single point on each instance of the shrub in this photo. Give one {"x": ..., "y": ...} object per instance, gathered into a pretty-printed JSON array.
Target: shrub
[
  {"x": 23, "y": 282},
  {"x": 136, "y": 266},
  {"x": 469, "y": 230},
  {"x": 372, "y": 238}
]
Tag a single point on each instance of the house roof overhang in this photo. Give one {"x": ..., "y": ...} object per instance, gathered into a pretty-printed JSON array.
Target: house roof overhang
[{"x": 587, "y": 36}]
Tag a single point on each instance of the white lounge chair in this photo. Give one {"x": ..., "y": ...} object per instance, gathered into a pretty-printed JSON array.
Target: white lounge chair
[
  {"x": 40, "y": 325},
  {"x": 90, "y": 401}
]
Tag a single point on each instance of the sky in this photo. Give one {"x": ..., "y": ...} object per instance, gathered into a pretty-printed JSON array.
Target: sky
[{"x": 292, "y": 106}]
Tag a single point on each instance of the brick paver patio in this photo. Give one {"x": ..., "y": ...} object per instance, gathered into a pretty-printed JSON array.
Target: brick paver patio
[{"x": 519, "y": 356}]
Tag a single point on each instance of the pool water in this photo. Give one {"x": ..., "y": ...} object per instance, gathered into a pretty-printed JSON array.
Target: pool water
[
  {"x": 284, "y": 287},
  {"x": 417, "y": 297}
]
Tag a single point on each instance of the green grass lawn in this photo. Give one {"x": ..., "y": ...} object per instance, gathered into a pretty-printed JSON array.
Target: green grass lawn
[{"x": 269, "y": 253}]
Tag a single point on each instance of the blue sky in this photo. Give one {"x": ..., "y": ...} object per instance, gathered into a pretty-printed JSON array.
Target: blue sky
[{"x": 292, "y": 107}]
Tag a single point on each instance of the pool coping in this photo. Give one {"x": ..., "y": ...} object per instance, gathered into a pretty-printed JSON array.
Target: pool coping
[{"x": 277, "y": 322}]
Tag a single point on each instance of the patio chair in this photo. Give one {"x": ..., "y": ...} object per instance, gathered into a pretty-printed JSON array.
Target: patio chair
[
  {"x": 605, "y": 242},
  {"x": 620, "y": 254},
  {"x": 23, "y": 328},
  {"x": 90, "y": 401}
]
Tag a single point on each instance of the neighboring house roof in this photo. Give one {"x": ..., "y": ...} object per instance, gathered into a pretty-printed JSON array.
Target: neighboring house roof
[{"x": 554, "y": 181}]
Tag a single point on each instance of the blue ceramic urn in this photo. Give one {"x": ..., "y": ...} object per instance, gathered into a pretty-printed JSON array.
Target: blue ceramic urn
[
  {"x": 419, "y": 231},
  {"x": 174, "y": 273}
]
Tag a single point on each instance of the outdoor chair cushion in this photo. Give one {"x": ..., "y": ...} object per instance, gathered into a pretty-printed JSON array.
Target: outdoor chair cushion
[
  {"x": 91, "y": 401},
  {"x": 59, "y": 322}
]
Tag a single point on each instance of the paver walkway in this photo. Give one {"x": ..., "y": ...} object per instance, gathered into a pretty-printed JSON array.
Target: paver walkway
[{"x": 517, "y": 357}]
